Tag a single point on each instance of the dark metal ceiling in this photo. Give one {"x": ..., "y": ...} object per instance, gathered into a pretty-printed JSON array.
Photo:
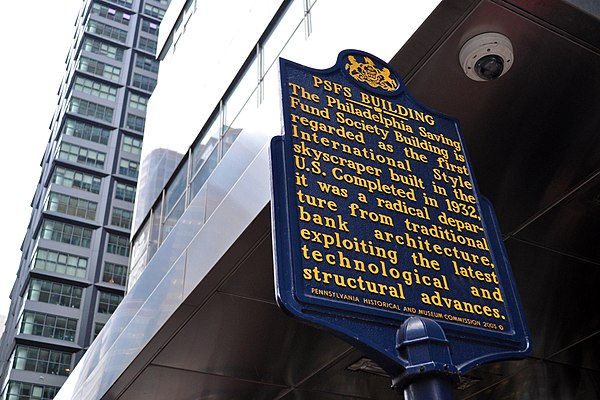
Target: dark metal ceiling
[{"x": 534, "y": 140}]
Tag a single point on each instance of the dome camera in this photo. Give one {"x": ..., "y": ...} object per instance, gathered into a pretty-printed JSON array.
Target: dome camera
[{"x": 486, "y": 56}]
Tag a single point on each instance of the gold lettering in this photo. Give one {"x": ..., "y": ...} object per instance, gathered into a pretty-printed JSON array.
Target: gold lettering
[{"x": 375, "y": 179}]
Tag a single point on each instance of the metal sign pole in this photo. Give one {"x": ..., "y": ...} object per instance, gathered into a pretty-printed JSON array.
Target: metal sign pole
[
  {"x": 431, "y": 388},
  {"x": 425, "y": 353}
]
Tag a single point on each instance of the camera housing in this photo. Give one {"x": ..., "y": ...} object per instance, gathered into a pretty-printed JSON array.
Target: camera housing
[{"x": 487, "y": 56}]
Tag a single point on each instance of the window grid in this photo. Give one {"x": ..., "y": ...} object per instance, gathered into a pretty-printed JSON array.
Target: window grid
[
  {"x": 97, "y": 328},
  {"x": 75, "y": 179},
  {"x": 86, "y": 131},
  {"x": 29, "y": 391},
  {"x": 99, "y": 68},
  {"x": 48, "y": 325},
  {"x": 121, "y": 218},
  {"x": 148, "y": 45},
  {"x": 144, "y": 82},
  {"x": 150, "y": 27},
  {"x": 81, "y": 155},
  {"x": 176, "y": 188},
  {"x": 111, "y": 14},
  {"x": 118, "y": 245},
  {"x": 61, "y": 294},
  {"x": 108, "y": 31},
  {"x": 146, "y": 63},
  {"x": 126, "y": 3},
  {"x": 42, "y": 360},
  {"x": 128, "y": 168},
  {"x": 154, "y": 11},
  {"x": 90, "y": 109},
  {"x": 97, "y": 46},
  {"x": 115, "y": 273},
  {"x": 132, "y": 145},
  {"x": 138, "y": 102},
  {"x": 70, "y": 205},
  {"x": 96, "y": 89},
  {"x": 108, "y": 302},
  {"x": 59, "y": 262},
  {"x": 125, "y": 192},
  {"x": 135, "y": 123},
  {"x": 66, "y": 233}
]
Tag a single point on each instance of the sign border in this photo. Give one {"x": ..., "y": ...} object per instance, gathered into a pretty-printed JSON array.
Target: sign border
[{"x": 344, "y": 319}]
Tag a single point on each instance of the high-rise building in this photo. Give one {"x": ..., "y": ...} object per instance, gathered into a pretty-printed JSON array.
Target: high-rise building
[{"x": 73, "y": 270}]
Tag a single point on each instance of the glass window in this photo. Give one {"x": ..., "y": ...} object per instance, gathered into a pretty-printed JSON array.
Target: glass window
[
  {"x": 97, "y": 46},
  {"x": 95, "y": 88},
  {"x": 70, "y": 205},
  {"x": 150, "y": 27},
  {"x": 147, "y": 44},
  {"x": 115, "y": 273},
  {"x": 75, "y": 179},
  {"x": 108, "y": 302},
  {"x": 289, "y": 26},
  {"x": 154, "y": 11},
  {"x": 111, "y": 13},
  {"x": 66, "y": 233},
  {"x": 155, "y": 227},
  {"x": 232, "y": 133},
  {"x": 99, "y": 68},
  {"x": 118, "y": 244},
  {"x": 60, "y": 262},
  {"x": 139, "y": 252},
  {"x": 126, "y": 3},
  {"x": 121, "y": 218},
  {"x": 129, "y": 168},
  {"x": 205, "y": 154},
  {"x": 61, "y": 294},
  {"x": 45, "y": 361},
  {"x": 48, "y": 325},
  {"x": 125, "y": 192},
  {"x": 132, "y": 144},
  {"x": 207, "y": 168},
  {"x": 81, "y": 155},
  {"x": 270, "y": 103},
  {"x": 87, "y": 131},
  {"x": 172, "y": 218},
  {"x": 241, "y": 102},
  {"x": 30, "y": 391},
  {"x": 106, "y": 30},
  {"x": 146, "y": 63},
  {"x": 242, "y": 92},
  {"x": 144, "y": 82},
  {"x": 135, "y": 123},
  {"x": 138, "y": 102},
  {"x": 97, "y": 328},
  {"x": 176, "y": 188},
  {"x": 90, "y": 109}
]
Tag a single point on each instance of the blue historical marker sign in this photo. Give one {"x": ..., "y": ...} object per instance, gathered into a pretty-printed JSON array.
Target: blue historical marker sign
[{"x": 377, "y": 218}]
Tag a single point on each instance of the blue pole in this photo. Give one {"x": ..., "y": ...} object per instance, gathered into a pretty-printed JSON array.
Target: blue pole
[
  {"x": 424, "y": 351},
  {"x": 429, "y": 388}
]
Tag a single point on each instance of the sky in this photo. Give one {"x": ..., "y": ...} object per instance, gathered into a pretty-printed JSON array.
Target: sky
[{"x": 36, "y": 37}]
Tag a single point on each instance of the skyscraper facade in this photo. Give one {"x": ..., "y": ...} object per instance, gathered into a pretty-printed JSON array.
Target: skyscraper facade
[{"x": 73, "y": 270}]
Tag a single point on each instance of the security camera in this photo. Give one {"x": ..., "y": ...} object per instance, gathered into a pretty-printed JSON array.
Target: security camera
[{"x": 486, "y": 56}]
